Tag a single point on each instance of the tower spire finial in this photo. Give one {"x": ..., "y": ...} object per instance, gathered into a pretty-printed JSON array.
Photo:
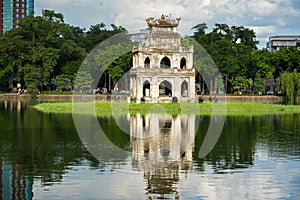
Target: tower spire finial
[{"x": 164, "y": 21}]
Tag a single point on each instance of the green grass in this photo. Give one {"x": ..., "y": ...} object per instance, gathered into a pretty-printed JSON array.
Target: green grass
[
  {"x": 207, "y": 108},
  {"x": 247, "y": 108},
  {"x": 57, "y": 92}
]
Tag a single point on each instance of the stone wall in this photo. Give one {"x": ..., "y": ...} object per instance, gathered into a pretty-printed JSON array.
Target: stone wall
[
  {"x": 84, "y": 98},
  {"x": 63, "y": 98},
  {"x": 257, "y": 99},
  {"x": 14, "y": 96}
]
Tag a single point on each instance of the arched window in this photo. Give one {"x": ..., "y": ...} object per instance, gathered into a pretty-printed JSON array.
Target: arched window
[
  {"x": 146, "y": 89},
  {"x": 147, "y": 63},
  {"x": 165, "y": 89},
  {"x": 183, "y": 63},
  {"x": 165, "y": 63},
  {"x": 184, "y": 89}
]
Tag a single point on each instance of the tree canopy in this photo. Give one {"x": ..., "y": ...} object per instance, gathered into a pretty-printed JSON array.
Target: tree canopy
[
  {"x": 45, "y": 51},
  {"x": 234, "y": 51},
  {"x": 44, "y": 47}
]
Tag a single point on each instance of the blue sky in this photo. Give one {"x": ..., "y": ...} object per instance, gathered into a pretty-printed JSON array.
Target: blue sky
[{"x": 265, "y": 17}]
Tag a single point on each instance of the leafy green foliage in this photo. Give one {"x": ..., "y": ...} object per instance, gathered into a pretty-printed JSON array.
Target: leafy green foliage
[
  {"x": 62, "y": 82},
  {"x": 83, "y": 80},
  {"x": 235, "y": 53},
  {"x": 70, "y": 69},
  {"x": 110, "y": 60},
  {"x": 285, "y": 60},
  {"x": 240, "y": 83},
  {"x": 258, "y": 84},
  {"x": 290, "y": 85},
  {"x": 45, "y": 47},
  {"x": 230, "y": 48},
  {"x": 262, "y": 66}
]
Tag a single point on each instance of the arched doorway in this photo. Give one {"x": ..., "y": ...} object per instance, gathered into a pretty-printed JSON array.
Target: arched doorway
[
  {"x": 146, "y": 89},
  {"x": 184, "y": 89},
  {"x": 183, "y": 63},
  {"x": 165, "y": 88},
  {"x": 147, "y": 63},
  {"x": 165, "y": 63}
]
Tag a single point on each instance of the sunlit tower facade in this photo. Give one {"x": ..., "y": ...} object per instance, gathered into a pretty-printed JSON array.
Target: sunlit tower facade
[{"x": 12, "y": 11}]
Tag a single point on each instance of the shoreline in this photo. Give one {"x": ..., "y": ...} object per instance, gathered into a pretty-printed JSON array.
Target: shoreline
[
  {"x": 207, "y": 108},
  {"x": 270, "y": 99},
  {"x": 229, "y": 105}
]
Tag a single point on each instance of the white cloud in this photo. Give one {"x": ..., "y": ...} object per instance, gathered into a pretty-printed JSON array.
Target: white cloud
[
  {"x": 263, "y": 32},
  {"x": 262, "y": 8},
  {"x": 269, "y": 29},
  {"x": 266, "y": 16}
]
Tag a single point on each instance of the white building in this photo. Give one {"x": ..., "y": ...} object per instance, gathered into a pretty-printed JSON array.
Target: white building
[
  {"x": 162, "y": 67},
  {"x": 278, "y": 41},
  {"x": 140, "y": 36}
]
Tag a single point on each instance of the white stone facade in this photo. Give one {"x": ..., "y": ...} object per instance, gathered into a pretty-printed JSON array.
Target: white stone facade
[
  {"x": 162, "y": 67},
  {"x": 279, "y": 41}
]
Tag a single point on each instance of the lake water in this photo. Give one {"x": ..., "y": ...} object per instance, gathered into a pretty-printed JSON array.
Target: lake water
[{"x": 47, "y": 156}]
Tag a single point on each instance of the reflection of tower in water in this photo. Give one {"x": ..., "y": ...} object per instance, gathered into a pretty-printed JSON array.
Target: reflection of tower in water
[
  {"x": 163, "y": 182},
  {"x": 162, "y": 145}
]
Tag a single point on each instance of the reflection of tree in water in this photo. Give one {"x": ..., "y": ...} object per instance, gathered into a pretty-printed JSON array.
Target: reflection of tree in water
[
  {"x": 281, "y": 133},
  {"x": 42, "y": 145},
  {"x": 111, "y": 128},
  {"x": 234, "y": 149},
  {"x": 241, "y": 137}
]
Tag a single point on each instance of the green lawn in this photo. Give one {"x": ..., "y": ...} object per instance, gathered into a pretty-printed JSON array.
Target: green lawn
[{"x": 207, "y": 108}]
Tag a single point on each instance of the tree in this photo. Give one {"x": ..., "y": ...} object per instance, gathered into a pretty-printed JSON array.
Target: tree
[
  {"x": 112, "y": 60},
  {"x": 240, "y": 83},
  {"x": 258, "y": 84},
  {"x": 98, "y": 33},
  {"x": 199, "y": 30},
  {"x": 70, "y": 69},
  {"x": 240, "y": 34},
  {"x": 39, "y": 71},
  {"x": 262, "y": 66},
  {"x": 223, "y": 30},
  {"x": 62, "y": 82},
  {"x": 83, "y": 81},
  {"x": 290, "y": 85},
  {"x": 12, "y": 56},
  {"x": 230, "y": 49},
  {"x": 120, "y": 66},
  {"x": 40, "y": 49},
  {"x": 285, "y": 60}
]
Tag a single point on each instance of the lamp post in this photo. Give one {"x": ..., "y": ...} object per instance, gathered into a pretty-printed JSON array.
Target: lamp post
[
  {"x": 107, "y": 86},
  {"x": 53, "y": 83},
  {"x": 108, "y": 83},
  {"x": 17, "y": 76}
]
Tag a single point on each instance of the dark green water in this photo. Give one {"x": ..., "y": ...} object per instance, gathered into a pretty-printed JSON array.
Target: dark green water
[{"x": 45, "y": 156}]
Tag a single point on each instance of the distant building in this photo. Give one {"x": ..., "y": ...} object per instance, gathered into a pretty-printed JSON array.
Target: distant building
[
  {"x": 278, "y": 41},
  {"x": 12, "y": 11},
  {"x": 139, "y": 37}
]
